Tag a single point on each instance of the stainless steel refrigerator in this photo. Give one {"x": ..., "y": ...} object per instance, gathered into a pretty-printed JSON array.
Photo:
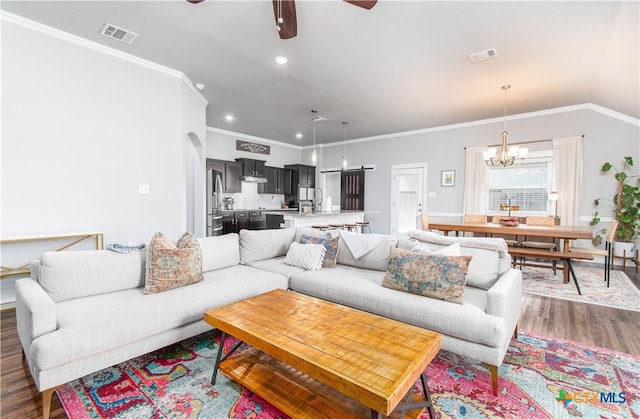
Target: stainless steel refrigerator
[{"x": 214, "y": 203}]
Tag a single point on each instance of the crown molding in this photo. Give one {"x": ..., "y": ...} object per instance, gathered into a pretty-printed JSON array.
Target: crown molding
[
  {"x": 613, "y": 114},
  {"x": 253, "y": 138},
  {"x": 590, "y": 106},
  {"x": 74, "y": 39}
]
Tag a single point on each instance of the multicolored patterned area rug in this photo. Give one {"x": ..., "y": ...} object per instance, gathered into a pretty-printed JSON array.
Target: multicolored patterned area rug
[
  {"x": 620, "y": 294},
  {"x": 541, "y": 377}
]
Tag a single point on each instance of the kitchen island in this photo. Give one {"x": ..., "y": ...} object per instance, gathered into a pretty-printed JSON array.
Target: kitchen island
[{"x": 294, "y": 219}]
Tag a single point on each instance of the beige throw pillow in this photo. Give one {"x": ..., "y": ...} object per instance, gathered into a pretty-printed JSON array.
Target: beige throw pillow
[
  {"x": 172, "y": 265},
  {"x": 306, "y": 256}
]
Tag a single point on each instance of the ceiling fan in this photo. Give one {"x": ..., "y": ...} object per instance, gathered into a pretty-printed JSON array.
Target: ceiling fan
[{"x": 284, "y": 12}]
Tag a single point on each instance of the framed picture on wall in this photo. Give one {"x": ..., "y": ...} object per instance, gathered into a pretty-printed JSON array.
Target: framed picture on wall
[{"x": 448, "y": 178}]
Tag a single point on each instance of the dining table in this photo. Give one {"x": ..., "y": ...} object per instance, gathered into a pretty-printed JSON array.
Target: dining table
[{"x": 561, "y": 232}]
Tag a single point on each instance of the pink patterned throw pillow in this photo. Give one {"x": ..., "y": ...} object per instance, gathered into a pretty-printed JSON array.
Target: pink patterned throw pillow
[
  {"x": 435, "y": 276},
  {"x": 172, "y": 265}
]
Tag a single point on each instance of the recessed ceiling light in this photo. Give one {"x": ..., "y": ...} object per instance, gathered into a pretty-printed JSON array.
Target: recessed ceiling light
[
  {"x": 199, "y": 86},
  {"x": 229, "y": 117},
  {"x": 299, "y": 135},
  {"x": 281, "y": 59}
]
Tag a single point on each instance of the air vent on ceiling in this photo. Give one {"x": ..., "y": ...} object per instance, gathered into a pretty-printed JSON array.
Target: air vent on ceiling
[
  {"x": 485, "y": 55},
  {"x": 120, "y": 34}
]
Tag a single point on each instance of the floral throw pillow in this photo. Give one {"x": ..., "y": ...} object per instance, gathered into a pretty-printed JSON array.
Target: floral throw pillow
[
  {"x": 330, "y": 245},
  {"x": 435, "y": 276},
  {"x": 172, "y": 265}
]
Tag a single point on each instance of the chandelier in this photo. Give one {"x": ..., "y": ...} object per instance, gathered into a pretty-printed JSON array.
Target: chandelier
[{"x": 507, "y": 155}]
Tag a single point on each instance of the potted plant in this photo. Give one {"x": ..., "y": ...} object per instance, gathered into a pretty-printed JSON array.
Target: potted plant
[{"x": 626, "y": 208}]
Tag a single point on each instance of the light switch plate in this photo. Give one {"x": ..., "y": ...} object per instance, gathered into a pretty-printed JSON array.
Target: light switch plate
[
  {"x": 143, "y": 189},
  {"x": 432, "y": 194}
]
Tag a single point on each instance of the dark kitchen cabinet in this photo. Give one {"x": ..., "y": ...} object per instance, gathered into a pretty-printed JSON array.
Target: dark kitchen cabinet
[
  {"x": 252, "y": 167},
  {"x": 302, "y": 175},
  {"x": 234, "y": 221},
  {"x": 278, "y": 181},
  {"x": 230, "y": 174},
  {"x": 284, "y": 181},
  {"x": 271, "y": 186}
]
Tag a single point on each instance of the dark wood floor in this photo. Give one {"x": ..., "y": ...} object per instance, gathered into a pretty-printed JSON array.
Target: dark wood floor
[{"x": 587, "y": 323}]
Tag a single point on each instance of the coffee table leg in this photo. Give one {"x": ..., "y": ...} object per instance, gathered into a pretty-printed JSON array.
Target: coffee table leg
[
  {"x": 427, "y": 394},
  {"x": 411, "y": 405},
  {"x": 218, "y": 356}
]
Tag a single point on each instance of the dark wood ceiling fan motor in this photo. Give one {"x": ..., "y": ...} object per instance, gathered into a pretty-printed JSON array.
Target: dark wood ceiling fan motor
[{"x": 284, "y": 12}]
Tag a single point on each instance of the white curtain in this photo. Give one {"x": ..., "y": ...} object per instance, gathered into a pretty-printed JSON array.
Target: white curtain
[
  {"x": 475, "y": 182},
  {"x": 567, "y": 178}
]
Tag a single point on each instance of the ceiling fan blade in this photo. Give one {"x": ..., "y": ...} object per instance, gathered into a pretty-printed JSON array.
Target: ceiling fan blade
[
  {"x": 285, "y": 9},
  {"x": 365, "y": 4}
]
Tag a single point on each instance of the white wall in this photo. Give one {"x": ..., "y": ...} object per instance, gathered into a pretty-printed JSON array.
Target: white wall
[
  {"x": 221, "y": 145},
  {"x": 606, "y": 138},
  {"x": 81, "y": 130}
]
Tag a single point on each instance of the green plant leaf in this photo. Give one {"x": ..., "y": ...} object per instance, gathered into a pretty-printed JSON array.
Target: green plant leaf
[
  {"x": 606, "y": 167},
  {"x": 629, "y": 160},
  {"x": 596, "y": 202}
]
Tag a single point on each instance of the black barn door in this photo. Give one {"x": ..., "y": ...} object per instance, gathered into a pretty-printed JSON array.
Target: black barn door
[{"x": 352, "y": 190}]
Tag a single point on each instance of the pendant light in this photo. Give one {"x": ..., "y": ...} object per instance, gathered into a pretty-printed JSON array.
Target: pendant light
[
  {"x": 507, "y": 155},
  {"x": 344, "y": 154},
  {"x": 314, "y": 155}
]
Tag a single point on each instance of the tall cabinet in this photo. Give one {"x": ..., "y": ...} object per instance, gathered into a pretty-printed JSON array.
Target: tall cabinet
[{"x": 303, "y": 182}]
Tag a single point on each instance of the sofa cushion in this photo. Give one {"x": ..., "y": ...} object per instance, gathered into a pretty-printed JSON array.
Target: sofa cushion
[
  {"x": 453, "y": 250},
  {"x": 74, "y": 274},
  {"x": 307, "y": 256},
  {"x": 264, "y": 244},
  {"x": 361, "y": 289},
  {"x": 376, "y": 259},
  {"x": 99, "y": 323},
  {"x": 220, "y": 251},
  {"x": 330, "y": 245},
  {"x": 276, "y": 265},
  {"x": 429, "y": 275},
  {"x": 172, "y": 265}
]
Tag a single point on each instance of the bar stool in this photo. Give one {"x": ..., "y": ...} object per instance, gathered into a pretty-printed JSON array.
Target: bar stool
[
  {"x": 320, "y": 227},
  {"x": 353, "y": 227},
  {"x": 362, "y": 225}
]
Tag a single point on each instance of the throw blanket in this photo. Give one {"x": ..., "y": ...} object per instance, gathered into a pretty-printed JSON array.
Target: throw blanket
[
  {"x": 125, "y": 247},
  {"x": 489, "y": 243},
  {"x": 360, "y": 244}
]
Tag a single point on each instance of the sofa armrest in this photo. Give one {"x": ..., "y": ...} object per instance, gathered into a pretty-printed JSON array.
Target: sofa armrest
[
  {"x": 504, "y": 298},
  {"x": 35, "y": 311}
]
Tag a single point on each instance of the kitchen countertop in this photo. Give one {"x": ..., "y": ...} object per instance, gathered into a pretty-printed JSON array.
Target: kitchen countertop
[{"x": 326, "y": 214}]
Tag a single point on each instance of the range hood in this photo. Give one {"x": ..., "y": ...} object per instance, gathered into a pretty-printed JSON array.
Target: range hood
[{"x": 254, "y": 179}]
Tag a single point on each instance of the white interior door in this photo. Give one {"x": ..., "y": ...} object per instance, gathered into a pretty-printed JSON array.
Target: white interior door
[{"x": 407, "y": 197}]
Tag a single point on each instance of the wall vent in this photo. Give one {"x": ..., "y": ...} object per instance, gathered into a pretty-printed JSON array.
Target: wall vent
[
  {"x": 113, "y": 31},
  {"x": 485, "y": 55}
]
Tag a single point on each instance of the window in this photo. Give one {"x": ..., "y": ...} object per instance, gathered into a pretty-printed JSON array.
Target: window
[{"x": 528, "y": 184}]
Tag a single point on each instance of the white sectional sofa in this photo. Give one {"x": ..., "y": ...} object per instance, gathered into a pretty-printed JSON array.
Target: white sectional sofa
[{"x": 83, "y": 311}]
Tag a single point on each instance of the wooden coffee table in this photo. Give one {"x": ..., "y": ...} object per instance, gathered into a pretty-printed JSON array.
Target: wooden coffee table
[{"x": 312, "y": 358}]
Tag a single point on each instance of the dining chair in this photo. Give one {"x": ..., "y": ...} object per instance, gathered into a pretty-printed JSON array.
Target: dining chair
[
  {"x": 475, "y": 218},
  {"x": 537, "y": 244},
  {"x": 424, "y": 220},
  {"x": 607, "y": 252}
]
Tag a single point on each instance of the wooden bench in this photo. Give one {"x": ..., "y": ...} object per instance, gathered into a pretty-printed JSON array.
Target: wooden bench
[{"x": 566, "y": 257}]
